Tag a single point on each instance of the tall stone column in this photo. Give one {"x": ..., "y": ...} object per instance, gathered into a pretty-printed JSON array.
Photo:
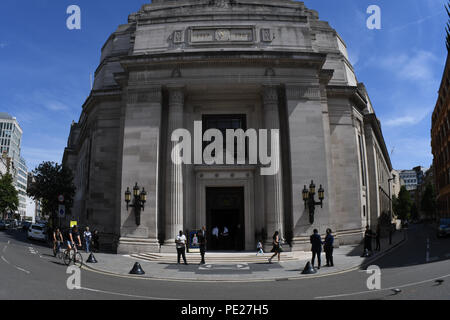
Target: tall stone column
[
  {"x": 174, "y": 171},
  {"x": 273, "y": 184},
  {"x": 140, "y": 150}
]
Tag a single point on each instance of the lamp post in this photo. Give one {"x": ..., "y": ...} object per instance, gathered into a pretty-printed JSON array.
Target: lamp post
[
  {"x": 390, "y": 197},
  {"x": 140, "y": 198},
  {"x": 310, "y": 202}
]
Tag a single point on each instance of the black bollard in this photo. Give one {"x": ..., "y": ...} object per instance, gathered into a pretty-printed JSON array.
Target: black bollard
[
  {"x": 137, "y": 269},
  {"x": 91, "y": 259},
  {"x": 309, "y": 269}
]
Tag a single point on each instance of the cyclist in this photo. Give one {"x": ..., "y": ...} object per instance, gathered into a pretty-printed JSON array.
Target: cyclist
[
  {"x": 57, "y": 240},
  {"x": 73, "y": 236}
]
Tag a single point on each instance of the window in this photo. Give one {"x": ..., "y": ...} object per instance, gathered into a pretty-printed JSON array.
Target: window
[{"x": 222, "y": 122}]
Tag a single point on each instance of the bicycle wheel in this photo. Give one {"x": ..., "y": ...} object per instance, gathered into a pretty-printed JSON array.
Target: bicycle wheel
[
  {"x": 68, "y": 257},
  {"x": 78, "y": 260}
]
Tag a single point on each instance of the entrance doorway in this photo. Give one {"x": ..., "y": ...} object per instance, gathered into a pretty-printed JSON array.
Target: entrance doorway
[{"x": 225, "y": 215}]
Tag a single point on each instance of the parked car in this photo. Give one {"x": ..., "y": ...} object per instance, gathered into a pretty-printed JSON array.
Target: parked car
[
  {"x": 2, "y": 225},
  {"x": 37, "y": 232},
  {"x": 26, "y": 225},
  {"x": 443, "y": 228}
]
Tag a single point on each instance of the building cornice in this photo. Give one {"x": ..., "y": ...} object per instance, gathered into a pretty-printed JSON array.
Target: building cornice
[{"x": 372, "y": 120}]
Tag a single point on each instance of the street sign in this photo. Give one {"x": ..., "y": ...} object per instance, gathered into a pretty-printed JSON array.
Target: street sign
[
  {"x": 61, "y": 198},
  {"x": 62, "y": 211}
]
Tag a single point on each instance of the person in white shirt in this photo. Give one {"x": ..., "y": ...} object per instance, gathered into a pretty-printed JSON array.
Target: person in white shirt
[
  {"x": 215, "y": 238},
  {"x": 259, "y": 248},
  {"x": 181, "y": 247},
  {"x": 87, "y": 239}
]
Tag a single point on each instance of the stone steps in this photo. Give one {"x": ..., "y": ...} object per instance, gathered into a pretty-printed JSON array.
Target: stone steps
[{"x": 213, "y": 258}]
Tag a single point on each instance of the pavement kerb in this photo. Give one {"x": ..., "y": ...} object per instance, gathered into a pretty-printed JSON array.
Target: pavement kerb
[{"x": 91, "y": 268}]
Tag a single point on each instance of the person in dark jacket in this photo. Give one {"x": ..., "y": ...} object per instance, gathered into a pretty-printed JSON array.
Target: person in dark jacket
[
  {"x": 316, "y": 242},
  {"x": 95, "y": 241},
  {"x": 202, "y": 243},
  {"x": 328, "y": 248},
  {"x": 368, "y": 240},
  {"x": 378, "y": 238}
]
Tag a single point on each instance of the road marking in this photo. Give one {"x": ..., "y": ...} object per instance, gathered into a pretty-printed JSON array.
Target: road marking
[
  {"x": 23, "y": 270},
  {"x": 381, "y": 290},
  {"x": 3, "y": 258},
  {"x": 9, "y": 241},
  {"x": 122, "y": 294}
]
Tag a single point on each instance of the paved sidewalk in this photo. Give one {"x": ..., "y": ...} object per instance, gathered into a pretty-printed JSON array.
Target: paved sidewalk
[{"x": 345, "y": 258}]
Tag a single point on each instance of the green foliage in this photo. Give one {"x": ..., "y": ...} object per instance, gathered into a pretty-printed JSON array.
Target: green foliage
[
  {"x": 9, "y": 198},
  {"x": 428, "y": 203},
  {"x": 49, "y": 181},
  {"x": 402, "y": 205}
]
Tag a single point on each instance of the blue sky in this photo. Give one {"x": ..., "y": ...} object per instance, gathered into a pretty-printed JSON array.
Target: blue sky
[{"x": 45, "y": 68}]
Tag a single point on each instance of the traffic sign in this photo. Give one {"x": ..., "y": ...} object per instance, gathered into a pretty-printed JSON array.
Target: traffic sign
[
  {"x": 62, "y": 211},
  {"x": 61, "y": 198}
]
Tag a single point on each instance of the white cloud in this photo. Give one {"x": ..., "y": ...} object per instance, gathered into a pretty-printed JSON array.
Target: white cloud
[
  {"x": 417, "y": 66},
  {"x": 35, "y": 156},
  {"x": 409, "y": 117}
]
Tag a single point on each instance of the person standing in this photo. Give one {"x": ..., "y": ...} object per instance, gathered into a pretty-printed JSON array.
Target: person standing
[
  {"x": 328, "y": 247},
  {"x": 259, "y": 248},
  {"x": 215, "y": 238},
  {"x": 202, "y": 243},
  {"x": 378, "y": 238},
  {"x": 368, "y": 240},
  {"x": 181, "y": 247},
  {"x": 95, "y": 241},
  {"x": 276, "y": 249},
  {"x": 316, "y": 248},
  {"x": 87, "y": 236}
]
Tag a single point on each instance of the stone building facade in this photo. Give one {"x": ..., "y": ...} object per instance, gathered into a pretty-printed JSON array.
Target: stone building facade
[{"x": 228, "y": 64}]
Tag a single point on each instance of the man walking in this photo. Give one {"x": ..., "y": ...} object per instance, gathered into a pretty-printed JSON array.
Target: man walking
[
  {"x": 328, "y": 248},
  {"x": 316, "y": 242},
  {"x": 202, "y": 243},
  {"x": 181, "y": 246}
]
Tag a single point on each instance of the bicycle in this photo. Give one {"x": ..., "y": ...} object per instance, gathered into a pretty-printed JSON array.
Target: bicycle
[
  {"x": 73, "y": 255},
  {"x": 57, "y": 252}
]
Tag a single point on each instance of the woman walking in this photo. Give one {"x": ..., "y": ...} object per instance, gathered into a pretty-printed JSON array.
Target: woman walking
[{"x": 276, "y": 247}]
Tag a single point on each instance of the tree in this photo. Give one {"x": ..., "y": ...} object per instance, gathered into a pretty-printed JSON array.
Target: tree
[
  {"x": 9, "y": 197},
  {"x": 402, "y": 205},
  {"x": 50, "y": 180},
  {"x": 428, "y": 203}
]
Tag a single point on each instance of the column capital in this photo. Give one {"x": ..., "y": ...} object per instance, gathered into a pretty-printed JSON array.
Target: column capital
[
  {"x": 270, "y": 95},
  {"x": 176, "y": 95}
]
